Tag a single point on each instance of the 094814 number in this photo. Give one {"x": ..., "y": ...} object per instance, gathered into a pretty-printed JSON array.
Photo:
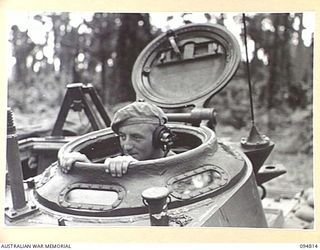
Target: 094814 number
[{"x": 303, "y": 246}]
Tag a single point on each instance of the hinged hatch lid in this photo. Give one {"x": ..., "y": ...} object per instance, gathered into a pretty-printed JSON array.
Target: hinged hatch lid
[{"x": 186, "y": 66}]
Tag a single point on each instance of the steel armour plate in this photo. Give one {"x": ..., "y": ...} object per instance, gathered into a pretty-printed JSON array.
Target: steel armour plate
[{"x": 186, "y": 66}]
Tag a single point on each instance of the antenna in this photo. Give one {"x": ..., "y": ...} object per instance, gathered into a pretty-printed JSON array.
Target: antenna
[
  {"x": 255, "y": 140},
  {"x": 248, "y": 66}
]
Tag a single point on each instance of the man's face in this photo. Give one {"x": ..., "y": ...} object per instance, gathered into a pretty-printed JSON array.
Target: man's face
[{"x": 136, "y": 140}]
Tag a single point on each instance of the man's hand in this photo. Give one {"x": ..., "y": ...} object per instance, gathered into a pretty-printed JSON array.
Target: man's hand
[
  {"x": 33, "y": 161},
  {"x": 118, "y": 166},
  {"x": 68, "y": 159}
]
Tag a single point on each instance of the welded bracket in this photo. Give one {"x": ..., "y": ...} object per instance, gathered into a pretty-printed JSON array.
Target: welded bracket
[
  {"x": 16, "y": 214},
  {"x": 81, "y": 97},
  {"x": 269, "y": 172}
]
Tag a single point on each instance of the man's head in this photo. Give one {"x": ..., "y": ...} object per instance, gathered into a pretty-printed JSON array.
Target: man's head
[{"x": 135, "y": 124}]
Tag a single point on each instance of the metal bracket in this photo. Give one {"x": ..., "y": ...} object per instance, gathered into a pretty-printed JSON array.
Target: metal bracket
[
  {"x": 269, "y": 172},
  {"x": 173, "y": 43},
  {"x": 13, "y": 214},
  {"x": 77, "y": 99}
]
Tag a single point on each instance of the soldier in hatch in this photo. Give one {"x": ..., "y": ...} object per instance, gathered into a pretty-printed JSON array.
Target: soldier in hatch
[{"x": 142, "y": 135}]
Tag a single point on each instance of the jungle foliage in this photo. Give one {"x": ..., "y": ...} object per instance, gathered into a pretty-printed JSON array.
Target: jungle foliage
[{"x": 103, "y": 49}]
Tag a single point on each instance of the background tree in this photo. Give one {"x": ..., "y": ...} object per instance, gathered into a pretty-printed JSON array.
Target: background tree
[
  {"x": 289, "y": 61},
  {"x": 22, "y": 47}
]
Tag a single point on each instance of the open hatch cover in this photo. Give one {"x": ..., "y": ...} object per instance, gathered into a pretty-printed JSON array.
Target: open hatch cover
[{"x": 186, "y": 66}]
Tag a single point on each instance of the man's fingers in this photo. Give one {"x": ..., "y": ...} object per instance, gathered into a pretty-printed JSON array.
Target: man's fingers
[
  {"x": 82, "y": 158},
  {"x": 67, "y": 160},
  {"x": 119, "y": 168},
  {"x": 119, "y": 165},
  {"x": 125, "y": 167},
  {"x": 107, "y": 163},
  {"x": 112, "y": 168},
  {"x": 128, "y": 161}
]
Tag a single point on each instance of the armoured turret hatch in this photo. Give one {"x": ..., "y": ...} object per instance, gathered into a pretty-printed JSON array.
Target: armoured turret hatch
[{"x": 186, "y": 66}]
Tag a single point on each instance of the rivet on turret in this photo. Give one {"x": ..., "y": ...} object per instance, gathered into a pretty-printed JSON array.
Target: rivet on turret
[{"x": 146, "y": 71}]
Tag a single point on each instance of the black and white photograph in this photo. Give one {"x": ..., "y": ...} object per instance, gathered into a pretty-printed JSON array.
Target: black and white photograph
[{"x": 160, "y": 119}]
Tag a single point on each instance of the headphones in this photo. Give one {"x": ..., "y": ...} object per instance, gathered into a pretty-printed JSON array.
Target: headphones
[{"x": 162, "y": 138}]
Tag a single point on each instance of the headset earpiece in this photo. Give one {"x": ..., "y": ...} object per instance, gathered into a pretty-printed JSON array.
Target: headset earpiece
[{"x": 163, "y": 138}]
